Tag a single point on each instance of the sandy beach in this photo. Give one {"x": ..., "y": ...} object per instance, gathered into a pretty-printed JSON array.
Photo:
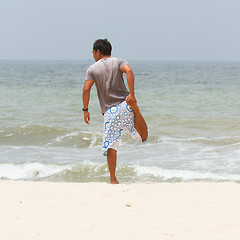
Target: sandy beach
[{"x": 45, "y": 210}]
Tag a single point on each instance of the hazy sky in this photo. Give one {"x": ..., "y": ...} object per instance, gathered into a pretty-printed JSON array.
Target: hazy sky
[{"x": 138, "y": 30}]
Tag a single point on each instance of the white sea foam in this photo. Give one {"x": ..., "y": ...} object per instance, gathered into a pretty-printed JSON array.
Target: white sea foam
[
  {"x": 59, "y": 139},
  {"x": 29, "y": 170},
  {"x": 184, "y": 175},
  {"x": 91, "y": 171}
]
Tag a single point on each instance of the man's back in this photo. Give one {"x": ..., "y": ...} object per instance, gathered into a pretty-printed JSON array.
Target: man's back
[{"x": 109, "y": 81}]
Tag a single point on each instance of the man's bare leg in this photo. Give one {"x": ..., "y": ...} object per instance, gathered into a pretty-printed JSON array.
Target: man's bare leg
[
  {"x": 140, "y": 124},
  {"x": 112, "y": 163}
]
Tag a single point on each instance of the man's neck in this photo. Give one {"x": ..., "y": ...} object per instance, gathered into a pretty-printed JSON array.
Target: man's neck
[{"x": 105, "y": 57}]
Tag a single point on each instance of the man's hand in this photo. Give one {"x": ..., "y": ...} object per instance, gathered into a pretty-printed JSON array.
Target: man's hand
[
  {"x": 130, "y": 99},
  {"x": 86, "y": 117}
]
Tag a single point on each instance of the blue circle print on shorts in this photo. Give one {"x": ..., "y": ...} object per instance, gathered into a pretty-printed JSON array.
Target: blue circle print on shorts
[{"x": 116, "y": 119}]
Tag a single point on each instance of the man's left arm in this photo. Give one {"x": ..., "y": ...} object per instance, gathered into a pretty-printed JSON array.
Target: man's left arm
[
  {"x": 130, "y": 80},
  {"x": 86, "y": 96}
]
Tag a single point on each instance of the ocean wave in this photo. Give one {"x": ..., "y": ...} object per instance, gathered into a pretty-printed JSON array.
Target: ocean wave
[
  {"x": 175, "y": 175},
  {"x": 219, "y": 141},
  {"x": 41, "y": 135},
  {"x": 92, "y": 172},
  {"x": 30, "y": 171}
]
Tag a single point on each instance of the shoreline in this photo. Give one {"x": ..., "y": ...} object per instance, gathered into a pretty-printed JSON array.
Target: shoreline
[{"x": 53, "y": 210}]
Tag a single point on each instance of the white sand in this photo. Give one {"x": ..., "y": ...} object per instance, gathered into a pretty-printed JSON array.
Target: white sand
[{"x": 187, "y": 211}]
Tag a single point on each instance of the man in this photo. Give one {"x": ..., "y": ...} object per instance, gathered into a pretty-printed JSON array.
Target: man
[{"x": 119, "y": 106}]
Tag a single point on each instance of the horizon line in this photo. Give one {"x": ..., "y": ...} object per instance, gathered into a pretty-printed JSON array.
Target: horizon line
[{"x": 138, "y": 60}]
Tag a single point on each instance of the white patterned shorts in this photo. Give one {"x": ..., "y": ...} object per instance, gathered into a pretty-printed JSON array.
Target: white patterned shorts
[{"x": 116, "y": 119}]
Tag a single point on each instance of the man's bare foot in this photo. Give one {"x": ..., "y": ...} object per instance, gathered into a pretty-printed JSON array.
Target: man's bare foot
[
  {"x": 133, "y": 105},
  {"x": 140, "y": 124},
  {"x": 114, "y": 181}
]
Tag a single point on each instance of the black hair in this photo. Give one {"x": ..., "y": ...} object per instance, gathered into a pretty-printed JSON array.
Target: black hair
[{"x": 104, "y": 46}]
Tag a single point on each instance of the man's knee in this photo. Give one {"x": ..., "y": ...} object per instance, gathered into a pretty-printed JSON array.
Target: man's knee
[
  {"x": 111, "y": 151},
  {"x": 144, "y": 137}
]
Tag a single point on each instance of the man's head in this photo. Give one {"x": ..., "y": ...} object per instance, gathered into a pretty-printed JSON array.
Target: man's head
[{"x": 101, "y": 48}]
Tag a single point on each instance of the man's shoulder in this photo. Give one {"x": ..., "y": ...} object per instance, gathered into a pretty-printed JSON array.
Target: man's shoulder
[
  {"x": 93, "y": 65},
  {"x": 93, "y": 68},
  {"x": 117, "y": 61},
  {"x": 120, "y": 61}
]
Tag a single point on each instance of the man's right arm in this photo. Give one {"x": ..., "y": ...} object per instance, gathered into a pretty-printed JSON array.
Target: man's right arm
[{"x": 86, "y": 96}]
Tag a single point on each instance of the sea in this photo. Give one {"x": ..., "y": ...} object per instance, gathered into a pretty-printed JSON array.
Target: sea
[{"x": 192, "y": 110}]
